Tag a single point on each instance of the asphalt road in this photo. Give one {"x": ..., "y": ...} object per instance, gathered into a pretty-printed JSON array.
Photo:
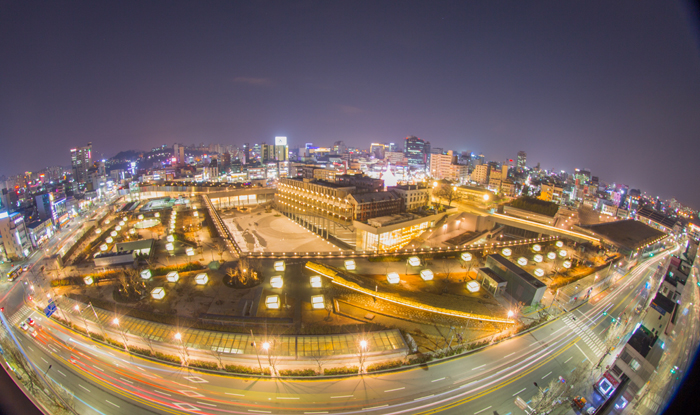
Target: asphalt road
[{"x": 106, "y": 381}]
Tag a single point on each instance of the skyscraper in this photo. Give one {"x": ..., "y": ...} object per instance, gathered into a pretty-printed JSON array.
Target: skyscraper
[
  {"x": 522, "y": 161},
  {"x": 415, "y": 150},
  {"x": 281, "y": 149},
  {"x": 81, "y": 161}
]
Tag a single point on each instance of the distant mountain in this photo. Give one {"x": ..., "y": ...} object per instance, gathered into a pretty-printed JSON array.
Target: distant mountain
[{"x": 126, "y": 155}]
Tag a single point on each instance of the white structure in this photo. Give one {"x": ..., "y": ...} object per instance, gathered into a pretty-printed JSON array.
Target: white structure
[
  {"x": 414, "y": 261},
  {"x": 88, "y": 280},
  {"x": 279, "y": 266},
  {"x": 201, "y": 279},
  {"x": 170, "y": 238},
  {"x": 276, "y": 281},
  {"x": 506, "y": 251},
  {"x": 146, "y": 274},
  {"x": 272, "y": 302},
  {"x": 473, "y": 286},
  {"x": 522, "y": 261},
  {"x": 552, "y": 255},
  {"x": 169, "y": 246},
  {"x": 393, "y": 278},
  {"x": 350, "y": 264},
  {"x": 190, "y": 251},
  {"x": 539, "y": 272},
  {"x": 536, "y": 247},
  {"x": 172, "y": 276},
  {"x": 466, "y": 256},
  {"x": 426, "y": 275},
  {"x": 538, "y": 258},
  {"x": 158, "y": 293},
  {"x": 317, "y": 302},
  {"x": 316, "y": 282}
]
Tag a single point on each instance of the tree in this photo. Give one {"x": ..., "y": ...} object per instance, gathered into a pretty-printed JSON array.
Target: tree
[{"x": 448, "y": 192}]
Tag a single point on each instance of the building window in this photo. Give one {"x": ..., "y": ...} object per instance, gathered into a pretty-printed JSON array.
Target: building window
[{"x": 634, "y": 364}]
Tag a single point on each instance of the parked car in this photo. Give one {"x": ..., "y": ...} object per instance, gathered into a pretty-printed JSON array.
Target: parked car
[
  {"x": 23, "y": 326},
  {"x": 31, "y": 321}
]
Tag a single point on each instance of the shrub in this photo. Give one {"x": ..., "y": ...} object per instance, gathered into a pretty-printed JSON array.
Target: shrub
[
  {"x": 420, "y": 359},
  {"x": 141, "y": 351},
  {"x": 203, "y": 364},
  {"x": 298, "y": 372},
  {"x": 385, "y": 259},
  {"x": 247, "y": 370},
  {"x": 97, "y": 336},
  {"x": 384, "y": 365},
  {"x": 115, "y": 343},
  {"x": 167, "y": 357},
  {"x": 344, "y": 370}
]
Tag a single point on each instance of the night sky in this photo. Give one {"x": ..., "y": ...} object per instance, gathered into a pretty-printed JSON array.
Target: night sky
[{"x": 609, "y": 86}]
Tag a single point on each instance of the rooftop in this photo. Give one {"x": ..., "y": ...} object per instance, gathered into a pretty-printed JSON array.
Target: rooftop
[
  {"x": 662, "y": 302},
  {"x": 630, "y": 234},
  {"x": 657, "y": 217},
  {"x": 517, "y": 270},
  {"x": 642, "y": 341},
  {"x": 375, "y": 197}
]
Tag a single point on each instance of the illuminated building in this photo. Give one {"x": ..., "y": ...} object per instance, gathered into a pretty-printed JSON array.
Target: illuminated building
[
  {"x": 14, "y": 236},
  {"x": 522, "y": 161},
  {"x": 375, "y": 204},
  {"x": 393, "y": 232},
  {"x": 416, "y": 150},
  {"x": 81, "y": 161},
  {"x": 414, "y": 196},
  {"x": 439, "y": 167},
  {"x": 476, "y": 196},
  {"x": 309, "y": 197},
  {"x": 480, "y": 174},
  {"x": 281, "y": 149}
]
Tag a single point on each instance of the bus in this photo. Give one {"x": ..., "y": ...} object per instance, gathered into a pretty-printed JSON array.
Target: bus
[{"x": 14, "y": 273}]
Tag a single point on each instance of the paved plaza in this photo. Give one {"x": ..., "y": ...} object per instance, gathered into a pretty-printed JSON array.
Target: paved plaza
[{"x": 258, "y": 231}]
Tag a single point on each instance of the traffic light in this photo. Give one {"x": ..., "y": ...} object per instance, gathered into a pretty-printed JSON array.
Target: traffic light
[{"x": 605, "y": 313}]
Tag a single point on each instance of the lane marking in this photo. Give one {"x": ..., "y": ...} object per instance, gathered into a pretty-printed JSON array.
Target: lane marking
[
  {"x": 162, "y": 393},
  {"x": 437, "y": 380},
  {"x": 520, "y": 391},
  {"x": 479, "y": 367},
  {"x": 112, "y": 403},
  {"x": 260, "y": 412},
  {"x": 429, "y": 396},
  {"x": 375, "y": 407},
  {"x": 98, "y": 368},
  {"x": 204, "y": 403},
  {"x": 485, "y": 409},
  {"x": 394, "y": 390},
  {"x": 60, "y": 372},
  {"x": 285, "y": 397},
  {"x": 318, "y": 412},
  {"x": 83, "y": 387},
  {"x": 567, "y": 360},
  {"x": 46, "y": 361},
  {"x": 344, "y": 396},
  {"x": 234, "y": 394},
  {"x": 546, "y": 375},
  {"x": 584, "y": 354},
  {"x": 509, "y": 355},
  {"x": 127, "y": 381}
]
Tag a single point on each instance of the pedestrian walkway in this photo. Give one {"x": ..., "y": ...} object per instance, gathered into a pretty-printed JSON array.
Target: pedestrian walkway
[
  {"x": 20, "y": 315},
  {"x": 586, "y": 334},
  {"x": 388, "y": 341}
]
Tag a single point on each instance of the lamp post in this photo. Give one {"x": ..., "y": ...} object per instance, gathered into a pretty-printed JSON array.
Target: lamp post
[
  {"x": 362, "y": 347},
  {"x": 98, "y": 321},
  {"x": 178, "y": 337},
  {"x": 116, "y": 323},
  {"x": 77, "y": 308},
  {"x": 267, "y": 346}
]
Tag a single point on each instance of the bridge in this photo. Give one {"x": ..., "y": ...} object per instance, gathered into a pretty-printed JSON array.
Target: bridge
[{"x": 542, "y": 229}]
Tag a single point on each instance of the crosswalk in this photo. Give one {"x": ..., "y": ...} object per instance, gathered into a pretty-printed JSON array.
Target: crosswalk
[
  {"x": 20, "y": 315},
  {"x": 586, "y": 334}
]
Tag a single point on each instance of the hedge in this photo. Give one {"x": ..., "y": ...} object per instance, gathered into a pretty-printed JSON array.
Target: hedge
[
  {"x": 203, "y": 364},
  {"x": 247, "y": 370},
  {"x": 298, "y": 372},
  {"x": 167, "y": 357},
  {"x": 384, "y": 365},
  {"x": 344, "y": 370}
]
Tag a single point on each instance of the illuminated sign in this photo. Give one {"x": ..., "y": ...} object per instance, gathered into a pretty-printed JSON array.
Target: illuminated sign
[{"x": 280, "y": 141}]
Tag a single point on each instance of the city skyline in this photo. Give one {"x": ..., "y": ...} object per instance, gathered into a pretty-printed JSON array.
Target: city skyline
[{"x": 610, "y": 87}]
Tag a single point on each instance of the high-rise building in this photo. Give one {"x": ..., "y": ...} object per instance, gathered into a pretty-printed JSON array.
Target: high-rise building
[
  {"x": 439, "y": 167},
  {"x": 480, "y": 174},
  {"x": 416, "y": 150},
  {"x": 281, "y": 149},
  {"x": 522, "y": 161},
  {"x": 81, "y": 161}
]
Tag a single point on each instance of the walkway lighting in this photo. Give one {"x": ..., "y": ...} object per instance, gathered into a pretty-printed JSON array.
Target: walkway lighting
[
  {"x": 563, "y": 253},
  {"x": 414, "y": 261},
  {"x": 566, "y": 264},
  {"x": 276, "y": 281},
  {"x": 88, "y": 280},
  {"x": 559, "y": 244},
  {"x": 393, "y": 278},
  {"x": 98, "y": 231},
  {"x": 172, "y": 276},
  {"x": 109, "y": 240},
  {"x": 169, "y": 246},
  {"x": 140, "y": 217},
  {"x": 510, "y": 313},
  {"x": 552, "y": 255},
  {"x": 426, "y": 274},
  {"x": 350, "y": 264},
  {"x": 506, "y": 251},
  {"x": 538, "y": 258},
  {"x": 536, "y": 247},
  {"x": 539, "y": 272},
  {"x": 170, "y": 238},
  {"x": 466, "y": 256},
  {"x": 190, "y": 251},
  {"x": 146, "y": 274},
  {"x": 158, "y": 293},
  {"x": 279, "y": 266},
  {"x": 317, "y": 302},
  {"x": 103, "y": 247},
  {"x": 201, "y": 279},
  {"x": 272, "y": 302},
  {"x": 316, "y": 281},
  {"x": 522, "y": 261},
  {"x": 473, "y": 286}
]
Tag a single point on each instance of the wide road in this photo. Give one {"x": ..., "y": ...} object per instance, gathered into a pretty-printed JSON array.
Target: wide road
[{"x": 106, "y": 381}]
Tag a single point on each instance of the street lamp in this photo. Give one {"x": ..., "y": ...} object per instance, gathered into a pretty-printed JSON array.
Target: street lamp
[
  {"x": 178, "y": 337},
  {"x": 363, "y": 347},
  {"x": 116, "y": 323}
]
